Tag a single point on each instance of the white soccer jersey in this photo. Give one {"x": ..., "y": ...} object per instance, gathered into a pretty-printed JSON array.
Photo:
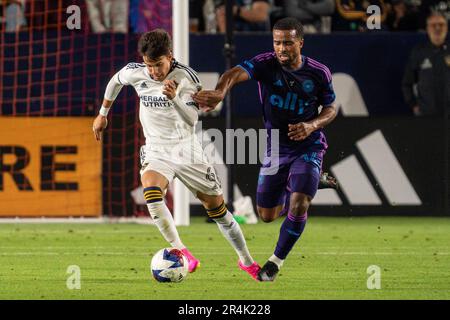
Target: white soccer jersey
[{"x": 161, "y": 122}]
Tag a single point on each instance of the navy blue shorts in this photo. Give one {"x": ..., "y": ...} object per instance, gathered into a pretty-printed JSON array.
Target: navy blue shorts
[{"x": 299, "y": 173}]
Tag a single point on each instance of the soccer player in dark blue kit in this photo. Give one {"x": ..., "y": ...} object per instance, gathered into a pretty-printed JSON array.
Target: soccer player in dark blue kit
[{"x": 292, "y": 87}]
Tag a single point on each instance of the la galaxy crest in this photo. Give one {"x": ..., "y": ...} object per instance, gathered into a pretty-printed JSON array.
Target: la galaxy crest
[{"x": 211, "y": 176}]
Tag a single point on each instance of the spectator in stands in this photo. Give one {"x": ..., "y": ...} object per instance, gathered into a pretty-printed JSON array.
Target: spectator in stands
[
  {"x": 403, "y": 15},
  {"x": 209, "y": 16},
  {"x": 249, "y": 15},
  {"x": 196, "y": 18},
  {"x": 14, "y": 15},
  {"x": 45, "y": 14},
  {"x": 426, "y": 81},
  {"x": 352, "y": 15},
  {"x": 309, "y": 13},
  {"x": 108, "y": 15},
  {"x": 147, "y": 15},
  {"x": 428, "y": 6}
]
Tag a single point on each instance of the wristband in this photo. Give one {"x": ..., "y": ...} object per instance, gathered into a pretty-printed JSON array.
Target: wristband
[{"x": 104, "y": 111}]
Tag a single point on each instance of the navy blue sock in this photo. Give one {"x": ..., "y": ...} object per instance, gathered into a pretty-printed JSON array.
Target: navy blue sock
[
  {"x": 290, "y": 231},
  {"x": 286, "y": 200}
]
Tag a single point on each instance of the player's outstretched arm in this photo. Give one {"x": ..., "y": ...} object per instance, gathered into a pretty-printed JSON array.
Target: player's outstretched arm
[
  {"x": 101, "y": 121},
  {"x": 208, "y": 99},
  {"x": 112, "y": 91},
  {"x": 302, "y": 130}
]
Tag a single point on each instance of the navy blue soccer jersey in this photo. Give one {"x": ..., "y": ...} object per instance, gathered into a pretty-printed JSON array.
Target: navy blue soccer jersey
[{"x": 290, "y": 97}]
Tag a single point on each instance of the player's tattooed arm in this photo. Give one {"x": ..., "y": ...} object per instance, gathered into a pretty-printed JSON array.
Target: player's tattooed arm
[
  {"x": 302, "y": 130},
  {"x": 209, "y": 99}
]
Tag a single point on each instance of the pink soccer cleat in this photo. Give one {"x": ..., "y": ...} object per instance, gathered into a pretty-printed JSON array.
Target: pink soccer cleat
[
  {"x": 193, "y": 262},
  {"x": 252, "y": 270}
]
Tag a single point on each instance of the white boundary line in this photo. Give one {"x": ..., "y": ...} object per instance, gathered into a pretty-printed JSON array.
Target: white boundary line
[
  {"x": 102, "y": 253},
  {"x": 141, "y": 220}
]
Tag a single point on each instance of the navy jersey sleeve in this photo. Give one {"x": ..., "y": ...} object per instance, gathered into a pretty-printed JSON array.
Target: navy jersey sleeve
[
  {"x": 327, "y": 95},
  {"x": 257, "y": 66}
]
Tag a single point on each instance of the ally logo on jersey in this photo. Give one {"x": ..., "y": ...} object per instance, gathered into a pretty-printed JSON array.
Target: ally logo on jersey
[{"x": 290, "y": 102}]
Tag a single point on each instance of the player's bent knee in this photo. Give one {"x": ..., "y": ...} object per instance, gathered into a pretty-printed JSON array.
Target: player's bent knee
[
  {"x": 267, "y": 215},
  {"x": 299, "y": 209},
  {"x": 153, "y": 179},
  {"x": 210, "y": 201},
  {"x": 266, "y": 219},
  {"x": 299, "y": 203}
]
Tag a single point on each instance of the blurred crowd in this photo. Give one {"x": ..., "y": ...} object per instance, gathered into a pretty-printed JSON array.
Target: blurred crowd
[
  {"x": 426, "y": 80},
  {"x": 318, "y": 16}
]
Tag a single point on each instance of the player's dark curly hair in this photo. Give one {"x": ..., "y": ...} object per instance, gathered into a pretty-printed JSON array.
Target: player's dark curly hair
[
  {"x": 290, "y": 24},
  {"x": 154, "y": 44}
]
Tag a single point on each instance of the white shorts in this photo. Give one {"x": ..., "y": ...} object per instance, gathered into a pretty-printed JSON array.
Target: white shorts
[{"x": 185, "y": 161}]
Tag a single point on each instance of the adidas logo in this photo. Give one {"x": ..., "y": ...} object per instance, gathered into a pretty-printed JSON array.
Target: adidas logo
[
  {"x": 143, "y": 85},
  {"x": 278, "y": 83},
  {"x": 355, "y": 184},
  {"x": 426, "y": 64}
]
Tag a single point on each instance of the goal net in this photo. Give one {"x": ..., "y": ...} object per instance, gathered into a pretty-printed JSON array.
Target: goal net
[{"x": 50, "y": 72}]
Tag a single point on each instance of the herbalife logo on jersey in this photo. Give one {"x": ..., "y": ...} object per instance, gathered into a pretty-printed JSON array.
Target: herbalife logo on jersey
[{"x": 155, "y": 101}]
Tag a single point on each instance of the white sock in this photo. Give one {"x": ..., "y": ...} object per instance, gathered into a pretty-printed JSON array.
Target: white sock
[
  {"x": 165, "y": 223},
  {"x": 233, "y": 233},
  {"x": 277, "y": 261}
]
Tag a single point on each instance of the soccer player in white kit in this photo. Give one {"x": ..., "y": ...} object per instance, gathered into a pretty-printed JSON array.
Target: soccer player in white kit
[{"x": 168, "y": 115}]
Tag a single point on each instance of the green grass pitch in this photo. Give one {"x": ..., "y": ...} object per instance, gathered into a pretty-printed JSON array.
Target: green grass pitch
[{"x": 330, "y": 261}]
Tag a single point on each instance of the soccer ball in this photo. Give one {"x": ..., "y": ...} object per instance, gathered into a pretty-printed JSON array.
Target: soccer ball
[{"x": 169, "y": 265}]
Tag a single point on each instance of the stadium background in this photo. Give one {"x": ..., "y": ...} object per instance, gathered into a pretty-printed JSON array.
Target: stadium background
[
  {"x": 50, "y": 71},
  {"x": 51, "y": 86}
]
